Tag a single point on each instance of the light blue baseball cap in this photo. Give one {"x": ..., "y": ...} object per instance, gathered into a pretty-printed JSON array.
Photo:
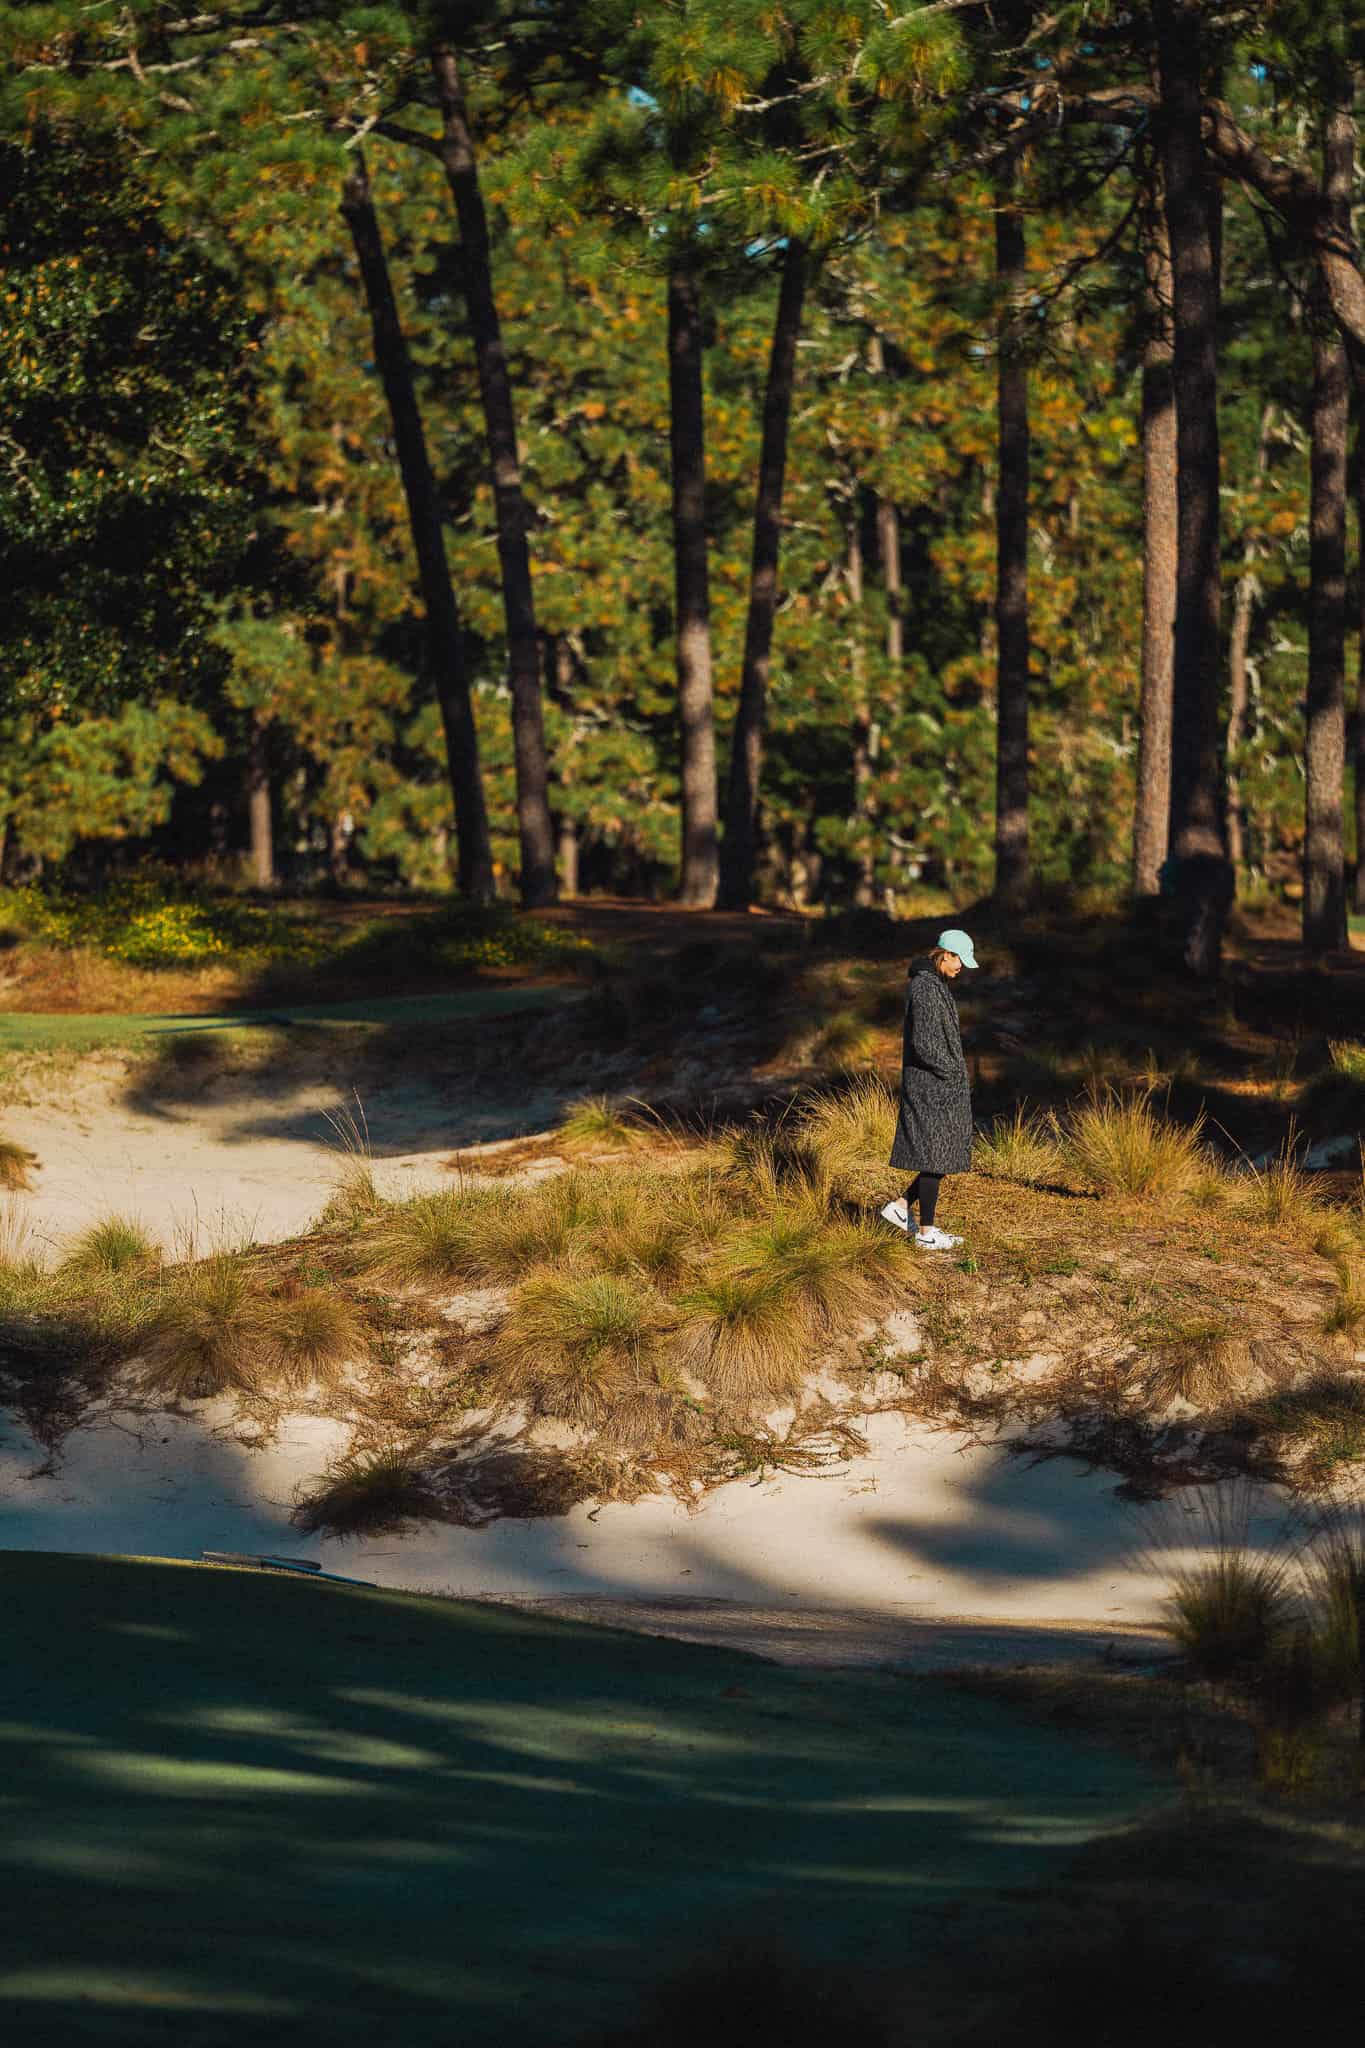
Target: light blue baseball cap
[{"x": 959, "y": 943}]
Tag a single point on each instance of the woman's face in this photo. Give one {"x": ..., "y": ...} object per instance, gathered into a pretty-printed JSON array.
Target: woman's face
[{"x": 952, "y": 966}]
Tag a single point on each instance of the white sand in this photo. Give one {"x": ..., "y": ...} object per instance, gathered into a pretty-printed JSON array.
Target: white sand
[
  {"x": 929, "y": 1548},
  {"x": 237, "y": 1163}
]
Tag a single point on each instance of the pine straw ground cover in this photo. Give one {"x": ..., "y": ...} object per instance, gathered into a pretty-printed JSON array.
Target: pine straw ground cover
[{"x": 672, "y": 1312}]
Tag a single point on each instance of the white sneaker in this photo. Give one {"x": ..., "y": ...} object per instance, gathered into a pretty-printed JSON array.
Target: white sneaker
[
  {"x": 897, "y": 1213},
  {"x": 935, "y": 1240}
]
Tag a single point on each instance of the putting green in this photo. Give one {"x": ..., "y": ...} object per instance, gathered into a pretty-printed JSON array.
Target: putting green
[
  {"x": 241, "y": 1807},
  {"x": 41, "y": 1031}
]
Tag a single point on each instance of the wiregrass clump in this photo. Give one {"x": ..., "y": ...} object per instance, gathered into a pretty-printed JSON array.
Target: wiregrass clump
[
  {"x": 576, "y": 1345},
  {"x": 210, "y": 1332},
  {"x": 1025, "y": 1148},
  {"x": 482, "y": 1236},
  {"x": 369, "y": 1493},
  {"x": 111, "y": 1249},
  {"x": 312, "y": 1334},
  {"x": 1122, "y": 1146},
  {"x": 849, "y": 1133},
  {"x": 1281, "y": 1196},
  {"x": 1229, "y": 1615},
  {"x": 593, "y": 1123},
  {"x": 218, "y": 1327},
  {"x": 16, "y": 1166}
]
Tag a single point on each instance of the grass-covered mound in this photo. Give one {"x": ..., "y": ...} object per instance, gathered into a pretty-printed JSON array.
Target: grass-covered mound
[
  {"x": 242, "y": 1807},
  {"x": 671, "y": 1309}
]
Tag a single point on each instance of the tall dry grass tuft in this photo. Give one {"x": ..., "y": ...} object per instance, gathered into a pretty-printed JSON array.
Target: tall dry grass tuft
[
  {"x": 1123, "y": 1147},
  {"x": 312, "y": 1335},
  {"x": 830, "y": 1270},
  {"x": 16, "y": 1166},
  {"x": 593, "y": 1124},
  {"x": 354, "y": 1198},
  {"x": 1023, "y": 1148},
  {"x": 743, "y": 1335},
  {"x": 484, "y": 1235},
  {"x": 1232, "y": 1608},
  {"x": 1334, "y": 1571},
  {"x": 1204, "y": 1360},
  {"x": 575, "y": 1345},
  {"x": 436, "y": 1238},
  {"x": 112, "y": 1249},
  {"x": 1345, "y": 1314},
  {"x": 657, "y": 1227},
  {"x": 1281, "y": 1196},
  {"x": 370, "y": 1493},
  {"x": 210, "y": 1332},
  {"x": 850, "y": 1133}
]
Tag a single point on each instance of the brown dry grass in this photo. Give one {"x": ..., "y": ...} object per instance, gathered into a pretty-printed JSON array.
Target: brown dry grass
[{"x": 16, "y": 1166}]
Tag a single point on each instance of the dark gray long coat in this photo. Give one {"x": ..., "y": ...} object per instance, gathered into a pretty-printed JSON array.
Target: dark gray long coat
[{"x": 934, "y": 1132}]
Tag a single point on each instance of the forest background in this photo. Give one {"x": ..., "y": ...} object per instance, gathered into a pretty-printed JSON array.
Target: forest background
[{"x": 793, "y": 301}]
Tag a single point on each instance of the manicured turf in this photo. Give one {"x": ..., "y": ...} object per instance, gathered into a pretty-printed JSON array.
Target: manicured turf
[
  {"x": 22, "y": 1032},
  {"x": 241, "y": 1808}
]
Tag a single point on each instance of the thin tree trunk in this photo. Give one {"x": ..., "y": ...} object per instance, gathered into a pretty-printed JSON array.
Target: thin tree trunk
[
  {"x": 534, "y": 825},
  {"x": 1239, "y": 664},
  {"x": 700, "y": 866},
  {"x": 1012, "y": 874},
  {"x": 746, "y": 754},
  {"x": 1358, "y": 898},
  {"x": 568, "y": 856},
  {"x": 864, "y": 729},
  {"x": 1203, "y": 879},
  {"x": 889, "y": 537},
  {"x": 444, "y": 634},
  {"x": 1324, "y": 871},
  {"x": 559, "y": 679},
  {"x": 1151, "y": 822},
  {"x": 1239, "y": 698},
  {"x": 258, "y": 803}
]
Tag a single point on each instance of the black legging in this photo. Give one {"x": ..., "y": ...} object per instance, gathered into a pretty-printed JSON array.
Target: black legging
[{"x": 925, "y": 1185}]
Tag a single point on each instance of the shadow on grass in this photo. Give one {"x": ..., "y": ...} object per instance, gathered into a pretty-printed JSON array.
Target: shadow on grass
[{"x": 242, "y": 1804}]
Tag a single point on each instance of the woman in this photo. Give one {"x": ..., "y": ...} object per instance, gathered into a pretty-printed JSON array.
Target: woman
[{"x": 934, "y": 1133}]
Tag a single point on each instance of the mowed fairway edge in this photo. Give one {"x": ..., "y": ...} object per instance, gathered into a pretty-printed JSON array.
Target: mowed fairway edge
[{"x": 241, "y": 1807}]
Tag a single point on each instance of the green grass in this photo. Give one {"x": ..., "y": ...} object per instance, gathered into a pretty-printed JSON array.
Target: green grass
[
  {"x": 250, "y": 1808},
  {"x": 22, "y": 1032}
]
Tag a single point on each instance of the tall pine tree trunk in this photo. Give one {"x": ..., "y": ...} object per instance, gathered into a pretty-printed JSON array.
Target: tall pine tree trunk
[
  {"x": 746, "y": 756},
  {"x": 864, "y": 726},
  {"x": 889, "y": 535},
  {"x": 1151, "y": 821},
  {"x": 259, "y": 824},
  {"x": 1012, "y": 870},
  {"x": 1324, "y": 873},
  {"x": 1203, "y": 879},
  {"x": 444, "y": 634},
  {"x": 1358, "y": 895},
  {"x": 1239, "y": 662},
  {"x": 697, "y": 734},
  {"x": 534, "y": 826}
]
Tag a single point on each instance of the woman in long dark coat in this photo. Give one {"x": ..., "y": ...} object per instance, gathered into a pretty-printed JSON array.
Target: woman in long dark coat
[{"x": 934, "y": 1129}]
